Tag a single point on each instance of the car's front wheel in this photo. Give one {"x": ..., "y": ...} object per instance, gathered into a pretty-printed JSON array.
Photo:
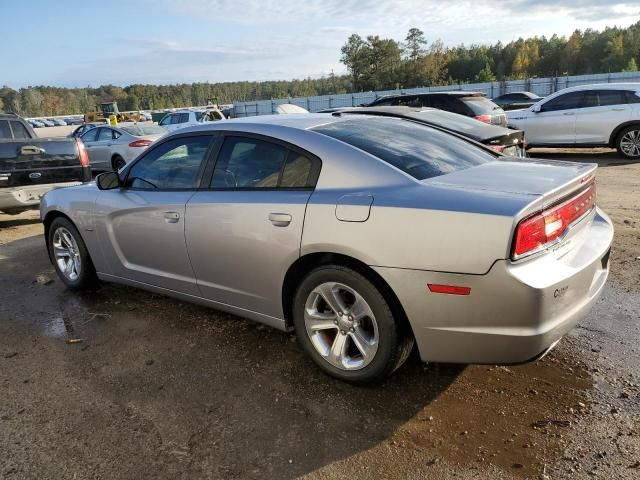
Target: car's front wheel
[
  {"x": 70, "y": 256},
  {"x": 628, "y": 142},
  {"x": 347, "y": 327}
]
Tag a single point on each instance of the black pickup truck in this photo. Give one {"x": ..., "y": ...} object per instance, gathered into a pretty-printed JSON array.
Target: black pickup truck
[{"x": 31, "y": 166}]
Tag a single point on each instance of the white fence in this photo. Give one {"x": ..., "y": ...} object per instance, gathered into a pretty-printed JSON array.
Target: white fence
[{"x": 540, "y": 86}]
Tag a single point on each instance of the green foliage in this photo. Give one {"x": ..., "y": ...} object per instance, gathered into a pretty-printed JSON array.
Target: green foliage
[
  {"x": 374, "y": 63},
  {"x": 632, "y": 66}
]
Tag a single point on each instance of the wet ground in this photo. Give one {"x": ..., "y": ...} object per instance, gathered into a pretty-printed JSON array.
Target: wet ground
[{"x": 120, "y": 383}]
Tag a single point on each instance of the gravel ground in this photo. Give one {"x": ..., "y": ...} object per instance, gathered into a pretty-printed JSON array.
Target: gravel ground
[{"x": 120, "y": 383}]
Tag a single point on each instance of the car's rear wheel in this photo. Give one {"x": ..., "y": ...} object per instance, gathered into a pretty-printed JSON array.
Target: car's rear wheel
[
  {"x": 347, "y": 327},
  {"x": 70, "y": 256},
  {"x": 117, "y": 162},
  {"x": 628, "y": 142}
]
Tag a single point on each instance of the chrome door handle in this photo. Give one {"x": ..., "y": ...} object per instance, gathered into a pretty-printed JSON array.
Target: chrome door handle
[
  {"x": 280, "y": 219},
  {"x": 171, "y": 217},
  {"x": 31, "y": 150},
  {"x": 569, "y": 113},
  {"x": 618, "y": 109}
]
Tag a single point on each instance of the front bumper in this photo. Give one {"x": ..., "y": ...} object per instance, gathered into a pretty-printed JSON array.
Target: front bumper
[
  {"x": 26, "y": 197},
  {"x": 516, "y": 311}
]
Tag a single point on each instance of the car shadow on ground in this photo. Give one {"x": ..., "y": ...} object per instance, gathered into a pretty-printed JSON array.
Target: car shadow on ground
[
  {"x": 213, "y": 394},
  {"x": 604, "y": 157},
  {"x": 7, "y": 222}
]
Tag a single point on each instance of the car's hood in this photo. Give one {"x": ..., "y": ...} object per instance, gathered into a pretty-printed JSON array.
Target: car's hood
[{"x": 530, "y": 177}]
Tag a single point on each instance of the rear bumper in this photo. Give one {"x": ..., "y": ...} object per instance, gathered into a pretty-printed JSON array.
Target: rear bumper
[
  {"x": 27, "y": 197},
  {"x": 515, "y": 312}
]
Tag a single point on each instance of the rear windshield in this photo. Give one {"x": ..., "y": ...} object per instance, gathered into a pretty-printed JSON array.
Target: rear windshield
[
  {"x": 481, "y": 105},
  {"x": 140, "y": 130},
  {"x": 452, "y": 121},
  {"x": 417, "y": 150}
]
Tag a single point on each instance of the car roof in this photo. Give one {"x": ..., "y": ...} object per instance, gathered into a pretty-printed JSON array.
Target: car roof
[
  {"x": 454, "y": 93},
  {"x": 291, "y": 120},
  {"x": 604, "y": 86}
]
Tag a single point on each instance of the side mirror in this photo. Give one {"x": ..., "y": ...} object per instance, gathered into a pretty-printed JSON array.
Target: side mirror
[
  {"x": 536, "y": 109},
  {"x": 108, "y": 181}
]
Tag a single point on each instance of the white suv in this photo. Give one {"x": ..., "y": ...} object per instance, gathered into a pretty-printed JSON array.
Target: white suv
[
  {"x": 606, "y": 115},
  {"x": 187, "y": 118}
]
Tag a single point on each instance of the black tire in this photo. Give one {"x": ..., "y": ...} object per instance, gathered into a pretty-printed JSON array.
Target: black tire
[
  {"x": 86, "y": 277},
  {"x": 394, "y": 343},
  {"x": 632, "y": 149},
  {"x": 117, "y": 162}
]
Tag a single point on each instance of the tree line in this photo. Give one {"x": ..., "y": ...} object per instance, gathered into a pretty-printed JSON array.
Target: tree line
[{"x": 373, "y": 63}]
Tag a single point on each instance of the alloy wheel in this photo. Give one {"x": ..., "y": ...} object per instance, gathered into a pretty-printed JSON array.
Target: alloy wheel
[
  {"x": 341, "y": 326},
  {"x": 67, "y": 254},
  {"x": 630, "y": 143}
]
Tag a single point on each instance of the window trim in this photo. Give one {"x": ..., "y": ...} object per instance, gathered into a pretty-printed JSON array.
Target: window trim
[
  {"x": 13, "y": 133},
  {"x": 314, "y": 175},
  {"x": 213, "y": 139}
]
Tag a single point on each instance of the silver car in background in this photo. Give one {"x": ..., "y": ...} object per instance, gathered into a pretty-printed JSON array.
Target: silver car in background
[
  {"x": 366, "y": 235},
  {"x": 110, "y": 148}
]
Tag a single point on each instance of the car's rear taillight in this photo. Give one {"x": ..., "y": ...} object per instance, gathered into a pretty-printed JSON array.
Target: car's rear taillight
[
  {"x": 497, "y": 148},
  {"x": 484, "y": 118},
  {"x": 141, "y": 143},
  {"x": 538, "y": 231},
  {"x": 82, "y": 153}
]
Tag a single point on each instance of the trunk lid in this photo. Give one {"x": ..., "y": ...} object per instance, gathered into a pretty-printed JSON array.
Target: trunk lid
[{"x": 548, "y": 178}]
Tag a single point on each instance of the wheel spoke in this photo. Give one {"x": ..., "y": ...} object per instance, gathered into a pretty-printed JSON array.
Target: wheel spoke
[
  {"x": 338, "y": 349},
  {"x": 360, "y": 309},
  {"x": 332, "y": 297},
  {"x": 362, "y": 344},
  {"x": 60, "y": 252},
  {"x": 319, "y": 321},
  {"x": 76, "y": 265}
]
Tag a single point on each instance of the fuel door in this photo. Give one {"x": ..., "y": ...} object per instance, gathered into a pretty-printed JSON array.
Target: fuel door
[{"x": 354, "y": 207}]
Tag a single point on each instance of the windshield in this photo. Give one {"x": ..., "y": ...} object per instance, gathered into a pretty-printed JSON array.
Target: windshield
[
  {"x": 417, "y": 150},
  {"x": 140, "y": 130},
  {"x": 481, "y": 105}
]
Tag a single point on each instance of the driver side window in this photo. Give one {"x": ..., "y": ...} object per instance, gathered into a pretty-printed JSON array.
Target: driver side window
[
  {"x": 567, "y": 101},
  {"x": 173, "y": 165}
]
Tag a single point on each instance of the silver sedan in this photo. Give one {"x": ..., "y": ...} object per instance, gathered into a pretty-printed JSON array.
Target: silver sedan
[
  {"x": 366, "y": 235},
  {"x": 110, "y": 148}
]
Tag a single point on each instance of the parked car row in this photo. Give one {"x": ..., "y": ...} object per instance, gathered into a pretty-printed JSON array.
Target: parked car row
[{"x": 470, "y": 104}]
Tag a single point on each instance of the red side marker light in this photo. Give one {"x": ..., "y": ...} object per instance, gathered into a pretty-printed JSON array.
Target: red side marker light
[{"x": 448, "y": 289}]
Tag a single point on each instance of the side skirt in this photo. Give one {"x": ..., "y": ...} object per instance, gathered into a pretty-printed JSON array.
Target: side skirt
[{"x": 274, "y": 322}]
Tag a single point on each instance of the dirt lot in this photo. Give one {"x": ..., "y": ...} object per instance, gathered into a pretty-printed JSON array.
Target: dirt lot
[{"x": 156, "y": 388}]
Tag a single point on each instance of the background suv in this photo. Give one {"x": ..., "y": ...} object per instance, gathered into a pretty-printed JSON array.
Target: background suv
[
  {"x": 606, "y": 115},
  {"x": 470, "y": 104}
]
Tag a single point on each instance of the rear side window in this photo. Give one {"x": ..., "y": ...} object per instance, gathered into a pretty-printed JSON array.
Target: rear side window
[
  {"x": 417, "y": 150},
  {"x": 611, "y": 97},
  {"x": 249, "y": 163},
  {"x": 5, "y": 131},
  {"x": 19, "y": 130},
  {"x": 105, "y": 134}
]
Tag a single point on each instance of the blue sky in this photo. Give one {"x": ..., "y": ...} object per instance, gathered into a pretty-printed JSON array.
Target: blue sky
[{"x": 77, "y": 43}]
